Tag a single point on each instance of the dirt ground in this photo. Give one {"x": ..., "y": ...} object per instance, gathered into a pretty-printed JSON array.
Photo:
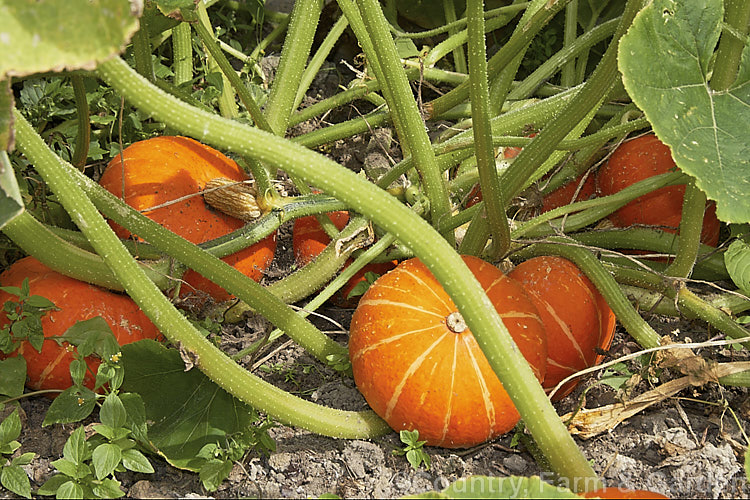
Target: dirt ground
[{"x": 684, "y": 447}]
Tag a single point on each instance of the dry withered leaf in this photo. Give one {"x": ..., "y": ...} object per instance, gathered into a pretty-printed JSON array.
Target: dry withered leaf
[{"x": 587, "y": 423}]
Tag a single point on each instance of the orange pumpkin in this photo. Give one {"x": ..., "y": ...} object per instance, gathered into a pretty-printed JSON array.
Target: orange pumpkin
[
  {"x": 309, "y": 240},
  {"x": 419, "y": 367},
  {"x": 576, "y": 317},
  {"x": 614, "y": 492},
  {"x": 165, "y": 169},
  {"x": 77, "y": 301},
  {"x": 639, "y": 159}
]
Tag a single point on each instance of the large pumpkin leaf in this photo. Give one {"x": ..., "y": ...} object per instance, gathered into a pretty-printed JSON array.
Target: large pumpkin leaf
[
  {"x": 52, "y": 35},
  {"x": 665, "y": 59},
  {"x": 186, "y": 409}
]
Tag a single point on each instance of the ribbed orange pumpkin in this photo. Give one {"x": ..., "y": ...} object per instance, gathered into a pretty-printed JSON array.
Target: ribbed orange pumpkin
[
  {"x": 77, "y": 301},
  {"x": 309, "y": 240},
  {"x": 639, "y": 159},
  {"x": 419, "y": 367},
  {"x": 576, "y": 317},
  {"x": 164, "y": 169}
]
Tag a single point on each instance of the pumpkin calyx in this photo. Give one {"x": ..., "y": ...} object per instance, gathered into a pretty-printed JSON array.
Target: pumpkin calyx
[
  {"x": 236, "y": 199},
  {"x": 455, "y": 322}
]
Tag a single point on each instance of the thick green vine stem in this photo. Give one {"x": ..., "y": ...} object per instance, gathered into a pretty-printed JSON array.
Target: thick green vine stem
[
  {"x": 309, "y": 278},
  {"x": 657, "y": 303},
  {"x": 594, "y": 90},
  {"x": 520, "y": 38},
  {"x": 409, "y": 123},
  {"x": 175, "y": 326},
  {"x": 297, "y": 44},
  {"x": 493, "y": 194},
  {"x": 227, "y": 102},
  {"x": 729, "y": 53},
  {"x": 83, "y": 135},
  {"x": 604, "y": 282},
  {"x": 388, "y": 213},
  {"x": 675, "y": 289},
  {"x": 182, "y": 50},
  {"x": 71, "y": 260},
  {"x": 691, "y": 225}
]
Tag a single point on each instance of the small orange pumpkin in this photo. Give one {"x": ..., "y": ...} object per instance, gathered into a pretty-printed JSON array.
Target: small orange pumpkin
[
  {"x": 576, "y": 317},
  {"x": 419, "y": 367},
  {"x": 77, "y": 301},
  {"x": 639, "y": 159},
  {"x": 309, "y": 240},
  {"x": 165, "y": 169}
]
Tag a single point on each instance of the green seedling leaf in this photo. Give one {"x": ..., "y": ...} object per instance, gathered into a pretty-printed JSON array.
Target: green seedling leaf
[
  {"x": 38, "y": 36},
  {"x": 11, "y": 203},
  {"x": 52, "y": 485},
  {"x": 737, "y": 260},
  {"x": 187, "y": 410},
  {"x": 71, "y": 490},
  {"x": 136, "y": 461},
  {"x": 113, "y": 411},
  {"x": 105, "y": 458},
  {"x": 76, "y": 449},
  {"x": 505, "y": 487},
  {"x": 136, "y": 417},
  {"x": 12, "y": 376},
  {"x": 14, "y": 478},
  {"x": 214, "y": 472},
  {"x": 665, "y": 59},
  {"x": 92, "y": 336},
  {"x": 109, "y": 488},
  {"x": 413, "y": 450},
  {"x": 72, "y": 405},
  {"x": 10, "y": 429}
]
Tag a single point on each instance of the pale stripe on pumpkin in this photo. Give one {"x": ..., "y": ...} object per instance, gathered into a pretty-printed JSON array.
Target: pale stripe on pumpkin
[
  {"x": 413, "y": 367},
  {"x": 394, "y": 338}
]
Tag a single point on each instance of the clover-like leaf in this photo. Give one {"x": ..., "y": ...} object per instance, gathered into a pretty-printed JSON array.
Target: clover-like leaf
[
  {"x": 665, "y": 58},
  {"x": 50, "y": 35}
]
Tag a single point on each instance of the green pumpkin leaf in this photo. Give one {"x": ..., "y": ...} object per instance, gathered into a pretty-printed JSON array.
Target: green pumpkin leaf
[
  {"x": 737, "y": 260},
  {"x": 186, "y": 409},
  {"x": 665, "y": 58},
  {"x": 49, "y": 35}
]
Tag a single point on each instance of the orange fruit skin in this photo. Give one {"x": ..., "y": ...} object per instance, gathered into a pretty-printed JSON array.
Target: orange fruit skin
[
  {"x": 564, "y": 195},
  {"x": 163, "y": 169},
  {"x": 77, "y": 301},
  {"x": 614, "y": 492},
  {"x": 576, "y": 317},
  {"x": 417, "y": 373},
  {"x": 309, "y": 240},
  {"x": 639, "y": 159}
]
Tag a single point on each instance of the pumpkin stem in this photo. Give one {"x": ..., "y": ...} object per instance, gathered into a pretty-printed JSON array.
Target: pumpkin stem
[
  {"x": 236, "y": 199},
  {"x": 456, "y": 322}
]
